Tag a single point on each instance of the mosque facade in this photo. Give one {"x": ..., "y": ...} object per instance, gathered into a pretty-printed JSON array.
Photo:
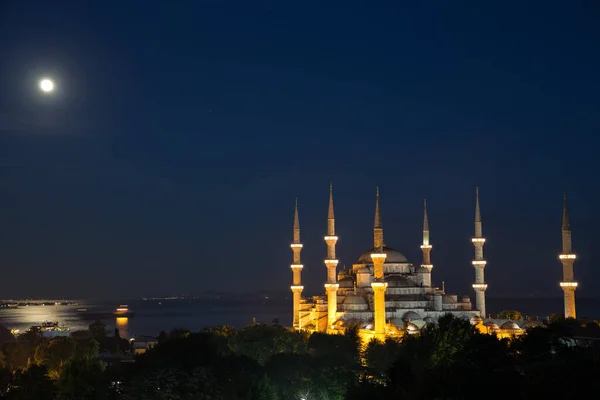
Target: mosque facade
[{"x": 383, "y": 293}]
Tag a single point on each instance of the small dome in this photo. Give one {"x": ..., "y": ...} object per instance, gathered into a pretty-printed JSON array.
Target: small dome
[
  {"x": 397, "y": 321},
  {"x": 347, "y": 282},
  {"x": 476, "y": 320},
  {"x": 492, "y": 325},
  {"x": 367, "y": 324},
  {"x": 393, "y": 256},
  {"x": 410, "y": 316},
  {"x": 510, "y": 325},
  {"x": 429, "y": 320},
  {"x": 412, "y": 327},
  {"x": 363, "y": 270},
  {"x": 355, "y": 299}
]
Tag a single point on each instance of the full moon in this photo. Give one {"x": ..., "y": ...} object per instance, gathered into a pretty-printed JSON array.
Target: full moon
[{"x": 46, "y": 85}]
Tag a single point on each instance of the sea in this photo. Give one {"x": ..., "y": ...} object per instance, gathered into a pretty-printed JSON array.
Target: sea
[{"x": 151, "y": 316}]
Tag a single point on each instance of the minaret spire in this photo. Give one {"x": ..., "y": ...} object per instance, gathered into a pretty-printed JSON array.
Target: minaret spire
[
  {"x": 296, "y": 269},
  {"x": 331, "y": 286},
  {"x": 296, "y": 219},
  {"x": 479, "y": 263},
  {"x": 377, "y": 227},
  {"x": 426, "y": 249},
  {"x": 330, "y": 213},
  {"x": 478, "y": 231},
  {"x": 425, "y": 223},
  {"x": 567, "y": 258},
  {"x": 377, "y": 212},
  {"x": 566, "y": 225}
]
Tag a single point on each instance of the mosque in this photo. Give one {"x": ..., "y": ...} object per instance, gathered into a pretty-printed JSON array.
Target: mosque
[{"x": 384, "y": 293}]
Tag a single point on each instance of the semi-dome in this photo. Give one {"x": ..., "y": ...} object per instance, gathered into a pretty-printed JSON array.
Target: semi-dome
[
  {"x": 355, "y": 299},
  {"x": 429, "y": 320},
  {"x": 410, "y": 316},
  {"x": 346, "y": 283},
  {"x": 393, "y": 256},
  {"x": 510, "y": 325},
  {"x": 399, "y": 281}
]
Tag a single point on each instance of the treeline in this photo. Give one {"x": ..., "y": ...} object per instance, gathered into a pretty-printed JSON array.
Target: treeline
[
  {"x": 35, "y": 367},
  {"x": 451, "y": 360}
]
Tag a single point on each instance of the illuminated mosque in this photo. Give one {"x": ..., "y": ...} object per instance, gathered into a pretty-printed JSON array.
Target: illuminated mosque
[{"x": 385, "y": 294}]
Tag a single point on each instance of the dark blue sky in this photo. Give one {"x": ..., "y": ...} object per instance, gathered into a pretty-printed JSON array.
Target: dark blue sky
[{"x": 169, "y": 158}]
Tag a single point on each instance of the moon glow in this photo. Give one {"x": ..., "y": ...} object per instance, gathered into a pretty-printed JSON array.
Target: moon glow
[{"x": 46, "y": 85}]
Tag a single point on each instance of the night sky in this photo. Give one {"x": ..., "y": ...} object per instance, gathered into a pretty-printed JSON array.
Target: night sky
[{"x": 170, "y": 156}]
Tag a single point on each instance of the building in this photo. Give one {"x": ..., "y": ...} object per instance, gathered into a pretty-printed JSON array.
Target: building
[
  {"x": 567, "y": 258},
  {"x": 383, "y": 292}
]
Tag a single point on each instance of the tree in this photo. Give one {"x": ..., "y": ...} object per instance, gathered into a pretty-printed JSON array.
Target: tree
[
  {"x": 260, "y": 342},
  {"x": 380, "y": 357},
  {"x": 511, "y": 314},
  {"x": 54, "y": 354},
  {"x": 98, "y": 330},
  {"x": 82, "y": 380},
  {"x": 32, "y": 384}
]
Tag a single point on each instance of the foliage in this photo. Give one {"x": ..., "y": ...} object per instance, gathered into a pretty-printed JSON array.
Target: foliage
[
  {"x": 513, "y": 315},
  {"x": 84, "y": 380},
  {"x": 173, "y": 334},
  {"x": 380, "y": 356},
  {"x": 451, "y": 360},
  {"x": 31, "y": 384},
  {"x": 261, "y": 342},
  {"x": 98, "y": 330}
]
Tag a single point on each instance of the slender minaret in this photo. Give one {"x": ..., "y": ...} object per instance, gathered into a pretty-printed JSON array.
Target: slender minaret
[
  {"x": 567, "y": 258},
  {"x": 479, "y": 263},
  {"x": 426, "y": 248},
  {"x": 331, "y": 286},
  {"x": 297, "y": 269},
  {"x": 379, "y": 285}
]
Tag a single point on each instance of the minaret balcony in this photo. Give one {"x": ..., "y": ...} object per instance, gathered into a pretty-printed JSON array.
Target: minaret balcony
[
  {"x": 567, "y": 257},
  {"x": 297, "y": 266},
  {"x": 297, "y": 288},
  {"x": 379, "y": 285},
  {"x": 427, "y": 266},
  {"x": 480, "y": 287},
  {"x": 331, "y": 286},
  {"x": 331, "y": 263},
  {"x": 479, "y": 263},
  {"x": 331, "y": 238},
  {"x": 296, "y": 245},
  {"x": 568, "y": 285},
  {"x": 426, "y": 246},
  {"x": 478, "y": 240},
  {"x": 377, "y": 256}
]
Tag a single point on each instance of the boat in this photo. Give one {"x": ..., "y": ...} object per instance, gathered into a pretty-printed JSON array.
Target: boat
[
  {"x": 123, "y": 311},
  {"x": 51, "y": 329}
]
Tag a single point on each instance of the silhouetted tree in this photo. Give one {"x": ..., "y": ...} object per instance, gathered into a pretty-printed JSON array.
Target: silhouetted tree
[
  {"x": 31, "y": 384},
  {"x": 511, "y": 314}
]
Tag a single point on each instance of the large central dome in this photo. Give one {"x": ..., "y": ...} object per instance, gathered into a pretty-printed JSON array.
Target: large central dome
[{"x": 393, "y": 256}]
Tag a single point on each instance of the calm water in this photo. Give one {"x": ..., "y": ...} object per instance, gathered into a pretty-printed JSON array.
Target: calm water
[{"x": 152, "y": 316}]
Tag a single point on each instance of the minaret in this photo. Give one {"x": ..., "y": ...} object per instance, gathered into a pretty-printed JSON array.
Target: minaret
[
  {"x": 426, "y": 248},
  {"x": 331, "y": 263},
  {"x": 379, "y": 285},
  {"x": 479, "y": 263},
  {"x": 297, "y": 269},
  {"x": 567, "y": 258}
]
